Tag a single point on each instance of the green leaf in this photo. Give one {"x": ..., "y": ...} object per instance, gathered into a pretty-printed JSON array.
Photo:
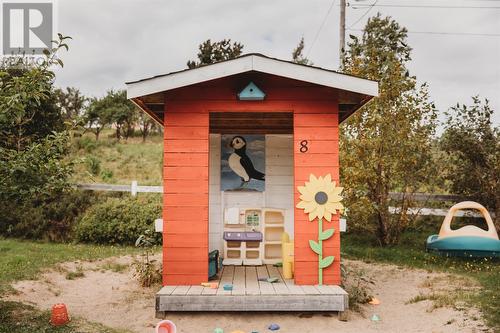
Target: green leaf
[
  {"x": 325, "y": 262},
  {"x": 326, "y": 234},
  {"x": 315, "y": 247}
]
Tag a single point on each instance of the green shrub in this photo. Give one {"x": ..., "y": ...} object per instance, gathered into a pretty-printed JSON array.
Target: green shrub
[
  {"x": 106, "y": 174},
  {"x": 119, "y": 220},
  {"x": 51, "y": 219},
  {"x": 93, "y": 164},
  {"x": 86, "y": 143}
]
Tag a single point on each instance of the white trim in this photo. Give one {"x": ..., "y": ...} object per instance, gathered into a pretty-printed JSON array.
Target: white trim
[{"x": 252, "y": 63}]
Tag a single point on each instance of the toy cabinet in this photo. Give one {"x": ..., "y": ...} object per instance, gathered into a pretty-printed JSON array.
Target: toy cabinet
[
  {"x": 274, "y": 227},
  {"x": 252, "y": 236}
]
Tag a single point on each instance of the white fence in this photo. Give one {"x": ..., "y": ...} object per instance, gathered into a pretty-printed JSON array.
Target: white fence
[{"x": 134, "y": 188}]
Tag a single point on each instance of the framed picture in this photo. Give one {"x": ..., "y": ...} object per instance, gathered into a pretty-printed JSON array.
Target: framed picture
[{"x": 243, "y": 162}]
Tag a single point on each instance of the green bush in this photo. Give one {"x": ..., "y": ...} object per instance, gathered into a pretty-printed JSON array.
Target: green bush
[
  {"x": 86, "y": 143},
  {"x": 119, "y": 220},
  {"x": 107, "y": 174},
  {"x": 93, "y": 164},
  {"x": 49, "y": 219}
]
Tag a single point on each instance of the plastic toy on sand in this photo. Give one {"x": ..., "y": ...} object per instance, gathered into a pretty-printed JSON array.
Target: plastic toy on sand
[
  {"x": 166, "y": 326},
  {"x": 467, "y": 241}
]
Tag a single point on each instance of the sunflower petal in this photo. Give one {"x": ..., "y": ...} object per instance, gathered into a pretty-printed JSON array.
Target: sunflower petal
[
  {"x": 301, "y": 205},
  {"x": 310, "y": 206},
  {"x": 328, "y": 215}
]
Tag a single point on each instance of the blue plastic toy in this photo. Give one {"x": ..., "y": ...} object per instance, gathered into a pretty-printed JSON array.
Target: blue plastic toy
[{"x": 468, "y": 241}]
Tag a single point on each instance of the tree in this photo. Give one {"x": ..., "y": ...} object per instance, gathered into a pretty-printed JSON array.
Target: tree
[
  {"x": 297, "y": 55},
  {"x": 94, "y": 117},
  {"x": 120, "y": 112},
  {"x": 211, "y": 53},
  {"x": 71, "y": 103},
  {"x": 472, "y": 145},
  {"x": 34, "y": 143},
  {"x": 386, "y": 145},
  {"x": 112, "y": 109},
  {"x": 146, "y": 124},
  {"x": 26, "y": 115}
]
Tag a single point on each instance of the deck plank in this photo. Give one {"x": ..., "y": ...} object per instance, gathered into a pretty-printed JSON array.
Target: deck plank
[
  {"x": 324, "y": 289},
  {"x": 266, "y": 288},
  {"x": 290, "y": 283},
  {"x": 166, "y": 290},
  {"x": 280, "y": 286},
  {"x": 310, "y": 290},
  {"x": 252, "y": 284},
  {"x": 195, "y": 290},
  {"x": 226, "y": 278},
  {"x": 181, "y": 290},
  {"x": 239, "y": 281}
]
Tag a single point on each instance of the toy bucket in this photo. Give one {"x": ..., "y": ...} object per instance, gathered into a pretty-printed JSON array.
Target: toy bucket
[
  {"x": 59, "y": 315},
  {"x": 166, "y": 326}
]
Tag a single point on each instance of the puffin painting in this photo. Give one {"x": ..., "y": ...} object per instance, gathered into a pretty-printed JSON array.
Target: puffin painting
[{"x": 240, "y": 163}]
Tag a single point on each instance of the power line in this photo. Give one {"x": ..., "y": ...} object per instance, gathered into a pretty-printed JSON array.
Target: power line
[
  {"x": 445, "y": 33},
  {"x": 362, "y": 6},
  {"x": 320, "y": 28},
  {"x": 364, "y": 14}
]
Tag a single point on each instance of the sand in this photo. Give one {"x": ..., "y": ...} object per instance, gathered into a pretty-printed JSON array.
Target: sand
[{"x": 115, "y": 299}]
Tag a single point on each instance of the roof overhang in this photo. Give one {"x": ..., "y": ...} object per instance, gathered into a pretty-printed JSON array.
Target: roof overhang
[{"x": 350, "y": 85}]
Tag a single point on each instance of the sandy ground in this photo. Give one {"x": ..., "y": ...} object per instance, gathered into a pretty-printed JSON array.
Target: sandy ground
[{"x": 116, "y": 300}]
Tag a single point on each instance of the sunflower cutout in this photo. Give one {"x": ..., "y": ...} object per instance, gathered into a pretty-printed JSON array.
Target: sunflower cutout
[{"x": 320, "y": 198}]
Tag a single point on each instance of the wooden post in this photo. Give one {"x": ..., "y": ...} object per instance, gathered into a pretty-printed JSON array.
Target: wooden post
[
  {"x": 133, "y": 188},
  {"x": 342, "y": 31}
]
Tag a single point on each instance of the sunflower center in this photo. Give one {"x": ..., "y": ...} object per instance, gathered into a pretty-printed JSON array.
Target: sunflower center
[{"x": 321, "y": 198}]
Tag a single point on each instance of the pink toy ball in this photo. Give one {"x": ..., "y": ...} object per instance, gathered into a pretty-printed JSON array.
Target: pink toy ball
[{"x": 166, "y": 326}]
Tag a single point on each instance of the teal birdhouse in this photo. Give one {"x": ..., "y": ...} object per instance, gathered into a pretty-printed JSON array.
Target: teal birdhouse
[{"x": 251, "y": 93}]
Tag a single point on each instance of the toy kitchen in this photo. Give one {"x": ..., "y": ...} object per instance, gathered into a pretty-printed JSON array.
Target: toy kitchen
[{"x": 252, "y": 236}]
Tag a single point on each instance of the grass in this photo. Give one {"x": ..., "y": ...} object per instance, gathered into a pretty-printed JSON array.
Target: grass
[
  {"x": 118, "y": 162},
  {"x": 411, "y": 253},
  {"x": 114, "y": 267},
  {"x": 75, "y": 275},
  {"x": 16, "y": 317},
  {"x": 26, "y": 260}
]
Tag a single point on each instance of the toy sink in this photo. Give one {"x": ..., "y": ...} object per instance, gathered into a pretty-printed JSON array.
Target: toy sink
[
  {"x": 468, "y": 241},
  {"x": 243, "y": 236}
]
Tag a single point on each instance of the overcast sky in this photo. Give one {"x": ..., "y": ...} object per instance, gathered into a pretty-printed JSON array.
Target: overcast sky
[{"x": 115, "y": 41}]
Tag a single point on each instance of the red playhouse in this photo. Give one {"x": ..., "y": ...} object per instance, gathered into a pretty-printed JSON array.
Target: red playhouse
[{"x": 251, "y": 183}]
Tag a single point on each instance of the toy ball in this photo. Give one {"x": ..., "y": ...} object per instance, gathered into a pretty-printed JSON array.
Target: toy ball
[{"x": 218, "y": 330}]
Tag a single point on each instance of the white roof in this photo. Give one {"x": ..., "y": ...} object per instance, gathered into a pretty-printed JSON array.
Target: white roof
[{"x": 247, "y": 63}]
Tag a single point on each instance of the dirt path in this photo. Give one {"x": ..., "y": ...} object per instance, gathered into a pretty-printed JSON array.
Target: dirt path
[{"x": 107, "y": 293}]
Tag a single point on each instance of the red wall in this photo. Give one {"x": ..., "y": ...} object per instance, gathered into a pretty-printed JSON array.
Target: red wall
[
  {"x": 186, "y": 125},
  {"x": 185, "y": 208},
  {"x": 318, "y": 124}
]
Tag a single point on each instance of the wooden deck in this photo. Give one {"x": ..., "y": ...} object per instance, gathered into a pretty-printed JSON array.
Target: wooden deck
[{"x": 250, "y": 294}]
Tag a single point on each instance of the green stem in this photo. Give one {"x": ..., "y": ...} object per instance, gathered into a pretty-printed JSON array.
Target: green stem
[{"x": 320, "y": 255}]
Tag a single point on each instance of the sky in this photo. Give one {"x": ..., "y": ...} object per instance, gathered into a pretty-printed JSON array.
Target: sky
[{"x": 115, "y": 41}]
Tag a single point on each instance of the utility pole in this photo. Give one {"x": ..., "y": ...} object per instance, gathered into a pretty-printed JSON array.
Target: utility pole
[{"x": 342, "y": 30}]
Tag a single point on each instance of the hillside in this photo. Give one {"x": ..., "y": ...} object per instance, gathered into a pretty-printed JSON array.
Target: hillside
[{"x": 118, "y": 162}]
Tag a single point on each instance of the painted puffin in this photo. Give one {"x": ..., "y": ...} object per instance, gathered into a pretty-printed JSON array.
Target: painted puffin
[{"x": 240, "y": 163}]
